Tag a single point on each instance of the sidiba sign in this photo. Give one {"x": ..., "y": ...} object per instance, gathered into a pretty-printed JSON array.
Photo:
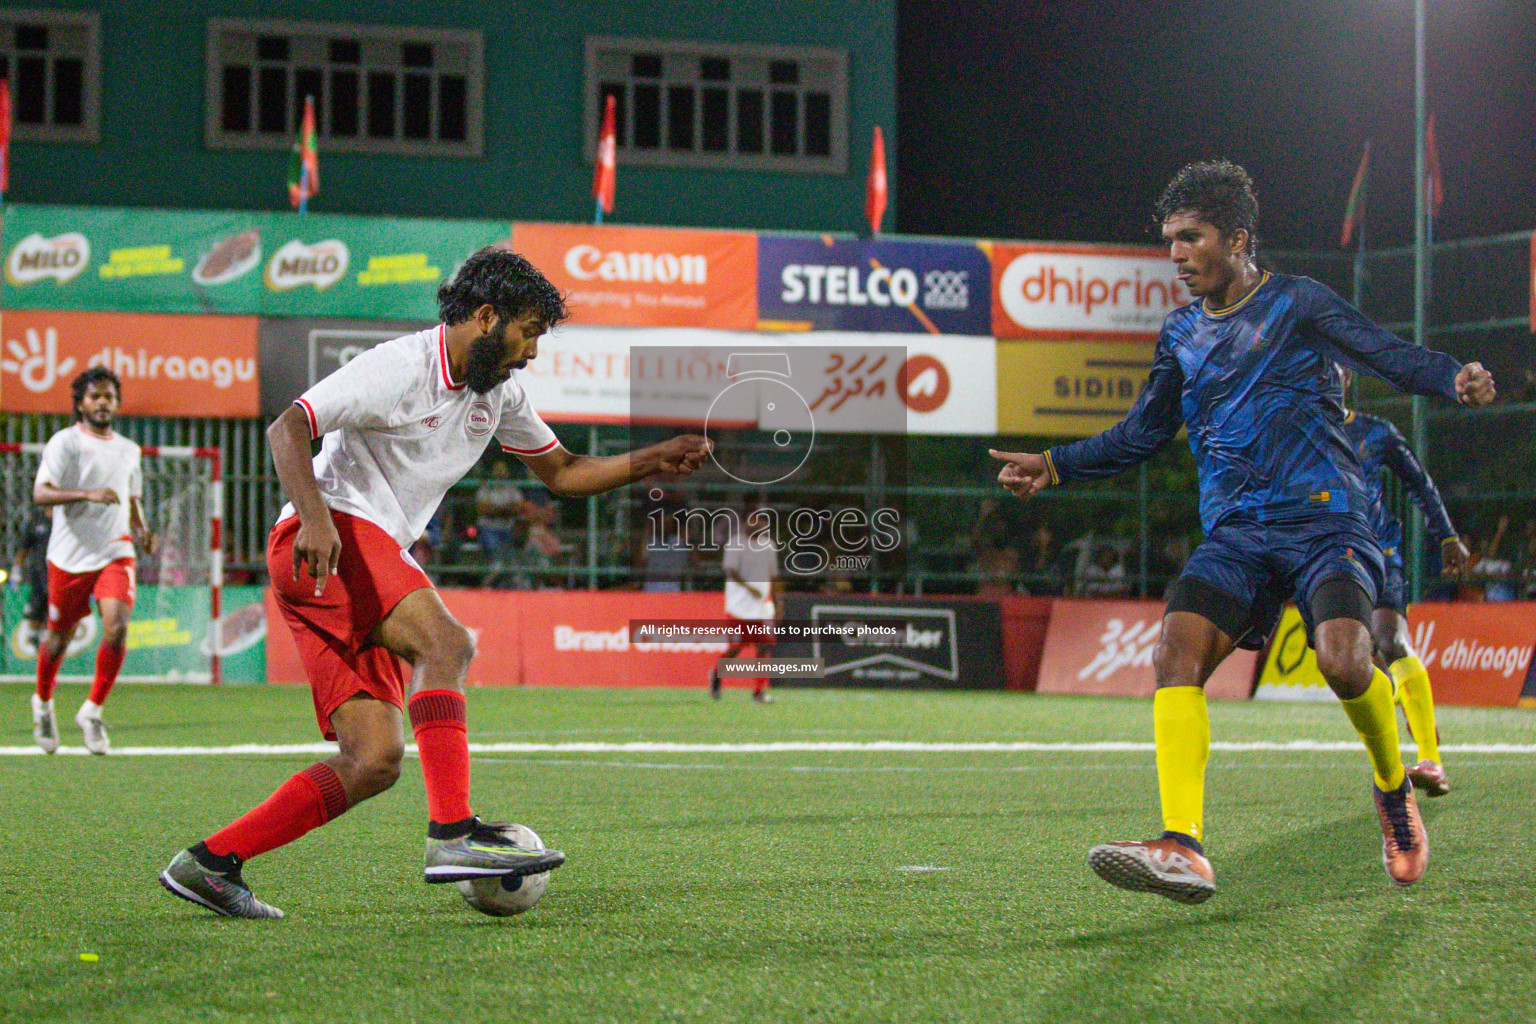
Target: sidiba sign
[{"x": 1083, "y": 292}]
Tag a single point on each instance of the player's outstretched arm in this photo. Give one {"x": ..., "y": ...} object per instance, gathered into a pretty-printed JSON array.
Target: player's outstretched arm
[
  {"x": 44, "y": 493},
  {"x": 317, "y": 543},
  {"x": 138, "y": 525},
  {"x": 574, "y": 476}
]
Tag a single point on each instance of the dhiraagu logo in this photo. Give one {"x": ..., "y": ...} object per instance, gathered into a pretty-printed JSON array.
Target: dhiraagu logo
[{"x": 36, "y": 360}]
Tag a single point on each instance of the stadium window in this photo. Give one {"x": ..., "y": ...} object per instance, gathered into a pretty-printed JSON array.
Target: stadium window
[
  {"x": 52, "y": 60},
  {"x": 716, "y": 105},
  {"x": 377, "y": 89}
]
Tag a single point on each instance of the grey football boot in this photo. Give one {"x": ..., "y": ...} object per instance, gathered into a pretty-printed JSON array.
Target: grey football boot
[
  {"x": 485, "y": 851},
  {"x": 222, "y": 893},
  {"x": 45, "y": 728}
]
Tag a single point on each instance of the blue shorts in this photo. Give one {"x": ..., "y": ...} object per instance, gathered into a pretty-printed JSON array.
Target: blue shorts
[
  {"x": 1260, "y": 565},
  {"x": 1394, "y": 586}
]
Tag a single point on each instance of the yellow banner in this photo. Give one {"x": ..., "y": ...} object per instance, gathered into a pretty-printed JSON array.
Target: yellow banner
[
  {"x": 1068, "y": 388},
  {"x": 1290, "y": 667}
]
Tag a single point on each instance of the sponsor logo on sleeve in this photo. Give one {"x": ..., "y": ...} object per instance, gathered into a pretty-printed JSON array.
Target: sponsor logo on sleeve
[
  {"x": 36, "y": 258},
  {"x": 480, "y": 420},
  {"x": 296, "y": 264}
]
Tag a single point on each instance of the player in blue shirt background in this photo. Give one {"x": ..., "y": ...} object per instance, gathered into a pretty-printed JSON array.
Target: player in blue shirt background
[
  {"x": 1249, "y": 370},
  {"x": 1380, "y": 446}
]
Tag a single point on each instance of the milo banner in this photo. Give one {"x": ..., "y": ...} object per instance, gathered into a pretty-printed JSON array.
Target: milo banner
[
  {"x": 280, "y": 264},
  {"x": 168, "y": 638},
  {"x": 881, "y": 285}
]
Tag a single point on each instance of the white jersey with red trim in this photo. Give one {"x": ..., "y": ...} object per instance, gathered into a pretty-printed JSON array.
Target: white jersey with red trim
[
  {"x": 399, "y": 431},
  {"x": 88, "y": 535},
  {"x": 756, "y": 562}
]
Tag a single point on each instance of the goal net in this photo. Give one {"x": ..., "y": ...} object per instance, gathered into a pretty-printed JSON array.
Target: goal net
[{"x": 173, "y": 634}]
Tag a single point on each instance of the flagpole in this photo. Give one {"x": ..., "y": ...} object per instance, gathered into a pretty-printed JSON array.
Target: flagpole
[
  {"x": 598, "y": 219},
  {"x": 303, "y": 188}
]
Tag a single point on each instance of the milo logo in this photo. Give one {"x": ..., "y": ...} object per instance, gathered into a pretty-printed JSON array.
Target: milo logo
[
  {"x": 320, "y": 265},
  {"x": 35, "y": 258}
]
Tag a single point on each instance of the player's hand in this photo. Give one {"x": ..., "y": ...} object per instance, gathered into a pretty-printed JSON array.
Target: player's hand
[
  {"x": 318, "y": 546},
  {"x": 1454, "y": 557},
  {"x": 102, "y": 496},
  {"x": 683, "y": 454},
  {"x": 148, "y": 542},
  {"x": 1023, "y": 473},
  {"x": 1474, "y": 385}
]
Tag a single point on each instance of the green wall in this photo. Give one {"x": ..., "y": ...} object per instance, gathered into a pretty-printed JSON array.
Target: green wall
[{"x": 152, "y": 153}]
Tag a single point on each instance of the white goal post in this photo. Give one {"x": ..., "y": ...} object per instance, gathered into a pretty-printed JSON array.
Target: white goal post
[{"x": 174, "y": 635}]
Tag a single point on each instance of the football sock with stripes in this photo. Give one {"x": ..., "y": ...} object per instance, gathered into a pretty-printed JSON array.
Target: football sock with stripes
[
  {"x": 1181, "y": 727},
  {"x": 109, "y": 661},
  {"x": 1375, "y": 719},
  {"x": 306, "y": 801},
  {"x": 1418, "y": 700},
  {"x": 442, "y": 744}
]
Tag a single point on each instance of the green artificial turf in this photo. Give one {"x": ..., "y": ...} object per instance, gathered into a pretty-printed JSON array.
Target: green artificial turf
[{"x": 766, "y": 887}]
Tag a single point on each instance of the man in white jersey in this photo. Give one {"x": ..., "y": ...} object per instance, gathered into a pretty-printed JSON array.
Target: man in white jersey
[
  {"x": 752, "y": 589},
  {"x": 90, "y": 477},
  {"x": 401, "y": 423}
]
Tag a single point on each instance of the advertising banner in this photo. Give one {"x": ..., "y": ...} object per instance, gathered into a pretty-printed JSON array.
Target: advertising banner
[
  {"x": 169, "y": 365},
  {"x": 163, "y": 261},
  {"x": 647, "y": 277},
  {"x": 953, "y": 644},
  {"x": 168, "y": 637},
  {"x": 296, "y": 354},
  {"x": 1477, "y": 654},
  {"x": 1105, "y": 648},
  {"x": 1111, "y": 293},
  {"x": 879, "y": 285},
  {"x": 1068, "y": 388}
]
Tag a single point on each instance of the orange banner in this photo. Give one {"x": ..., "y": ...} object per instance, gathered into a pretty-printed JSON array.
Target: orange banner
[
  {"x": 169, "y": 365},
  {"x": 647, "y": 277},
  {"x": 1476, "y": 653},
  {"x": 1105, "y": 648}
]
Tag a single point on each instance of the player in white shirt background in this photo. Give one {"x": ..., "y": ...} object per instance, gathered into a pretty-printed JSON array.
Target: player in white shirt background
[
  {"x": 752, "y": 595},
  {"x": 90, "y": 476},
  {"x": 402, "y": 423}
]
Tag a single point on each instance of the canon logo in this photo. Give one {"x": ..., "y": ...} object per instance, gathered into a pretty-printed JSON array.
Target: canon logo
[
  {"x": 589, "y": 263},
  {"x": 842, "y": 286}
]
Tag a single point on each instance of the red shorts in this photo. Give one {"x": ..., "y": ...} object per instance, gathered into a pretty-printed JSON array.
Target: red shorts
[
  {"x": 69, "y": 593},
  {"x": 332, "y": 630}
]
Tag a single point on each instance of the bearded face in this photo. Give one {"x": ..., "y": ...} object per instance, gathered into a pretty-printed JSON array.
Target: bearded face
[{"x": 487, "y": 353}]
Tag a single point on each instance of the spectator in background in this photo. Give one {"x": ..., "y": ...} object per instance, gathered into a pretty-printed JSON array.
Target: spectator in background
[
  {"x": 1170, "y": 557},
  {"x": 1491, "y": 577},
  {"x": 498, "y": 504},
  {"x": 1525, "y": 563},
  {"x": 1103, "y": 576},
  {"x": 664, "y": 559},
  {"x": 1044, "y": 572},
  {"x": 31, "y": 567}
]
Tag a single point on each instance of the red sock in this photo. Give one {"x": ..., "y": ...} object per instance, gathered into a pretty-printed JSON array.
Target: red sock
[
  {"x": 109, "y": 659},
  {"x": 442, "y": 743},
  {"x": 306, "y": 801},
  {"x": 47, "y": 672}
]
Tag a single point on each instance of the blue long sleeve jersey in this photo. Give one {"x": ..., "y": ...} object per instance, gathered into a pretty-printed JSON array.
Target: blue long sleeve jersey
[
  {"x": 1378, "y": 445},
  {"x": 1256, "y": 386}
]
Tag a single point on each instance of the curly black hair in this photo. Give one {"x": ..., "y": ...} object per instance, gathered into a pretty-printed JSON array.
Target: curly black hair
[
  {"x": 95, "y": 375},
  {"x": 1219, "y": 192},
  {"x": 498, "y": 277}
]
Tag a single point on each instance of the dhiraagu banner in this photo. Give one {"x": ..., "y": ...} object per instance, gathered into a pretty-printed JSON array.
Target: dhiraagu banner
[{"x": 168, "y": 638}]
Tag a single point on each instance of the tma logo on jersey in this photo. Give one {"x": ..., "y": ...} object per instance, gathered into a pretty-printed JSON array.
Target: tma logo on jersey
[
  {"x": 320, "y": 265},
  {"x": 1083, "y": 293},
  {"x": 36, "y": 258}
]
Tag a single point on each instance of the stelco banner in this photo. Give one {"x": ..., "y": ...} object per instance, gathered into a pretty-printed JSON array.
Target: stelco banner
[
  {"x": 159, "y": 261},
  {"x": 878, "y": 285},
  {"x": 647, "y": 277},
  {"x": 1105, "y": 648},
  {"x": 1109, "y": 293},
  {"x": 1476, "y": 654},
  {"x": 169, "y": 365},
  {"x": 1068, "y": 388}
]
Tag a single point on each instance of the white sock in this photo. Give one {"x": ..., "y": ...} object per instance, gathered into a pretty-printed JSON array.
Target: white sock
[{"x": 90, "y": 709}]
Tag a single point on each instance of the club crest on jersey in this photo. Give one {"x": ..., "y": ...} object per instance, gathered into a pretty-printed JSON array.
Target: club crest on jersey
[
  {"x": 480, "y": 420},
  {"x": 432, "y": 422}
]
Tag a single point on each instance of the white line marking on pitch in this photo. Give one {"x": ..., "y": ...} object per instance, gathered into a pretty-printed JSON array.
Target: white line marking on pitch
[
  {"x": 919, "y": 868},
  {"x": 830, "y": 747}
]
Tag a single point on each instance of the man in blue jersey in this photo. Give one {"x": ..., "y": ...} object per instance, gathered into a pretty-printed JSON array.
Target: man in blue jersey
[
  {"x": 1379, "y": 446},
  {"x": 1248, "y": 369}
]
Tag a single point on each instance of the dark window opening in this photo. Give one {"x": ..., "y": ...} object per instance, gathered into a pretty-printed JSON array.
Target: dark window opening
[
  {"x": 645, "y": 65},
  {"x": 346, "y": 51},
  {"x": 452, "y": 108},
  {"x": 717, "y": 124},
  {"x": 31, "y": 37},
  {"x": 381, "y": 105},
  {"x": 749, "y": 121},
  {"x": 343, "y": 105},
  {"x": 308, "y": 82},
  {"x": 818, "y": 124},
  {"x": 715, "y": 69},
  {"x": 416, "y": 119},
  {"x": 647, "y": 117},
  {"x": 272, "y": 100},
  {"x": 237, "y": 99},
  {"x": 272, "y": 48},
  {"x": 416, "y": 55},
  {"x": 68, "y": 91},
  {"x": 784, "y": 117},
  {"x": 31, "y": 90},
  {"x": 680, "y": 117},
  {"x": 783, "y": 72}
]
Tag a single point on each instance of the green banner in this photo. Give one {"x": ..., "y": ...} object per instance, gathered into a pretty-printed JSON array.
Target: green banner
[
  {"x": 168, "y": 637},
  {"x": 258, "y": 264}
]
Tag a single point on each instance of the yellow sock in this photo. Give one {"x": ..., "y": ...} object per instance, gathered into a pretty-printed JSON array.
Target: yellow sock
[
  {"x": 1418, "y": 701},
  {"x": 1182, "y": 730},
  {"x": 1375, "y": 719}
]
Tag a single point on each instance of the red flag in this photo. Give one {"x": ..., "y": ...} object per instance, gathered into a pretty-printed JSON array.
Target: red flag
[
  {"x": 304, "y": 175},
  {"x": 5, "y": 136},
  {"x": 875, "y": 186},
  {"x": 605, "y": 178},
  {"x": 1432, "y": 169},
  {"x": 1354, "y": 210}
]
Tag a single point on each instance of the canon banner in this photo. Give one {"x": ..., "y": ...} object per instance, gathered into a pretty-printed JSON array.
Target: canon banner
[
  {"x": 884, "y": 285},
  {"x": 169, "y": 365},
  {"x": 1082, "y": 291},
  {"x": 1105, "y": 648},
  {"x": 647, "y": 277}
]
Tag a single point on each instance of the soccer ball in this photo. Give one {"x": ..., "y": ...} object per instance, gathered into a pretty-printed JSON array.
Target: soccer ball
[{"x": 508, "y": 895}]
